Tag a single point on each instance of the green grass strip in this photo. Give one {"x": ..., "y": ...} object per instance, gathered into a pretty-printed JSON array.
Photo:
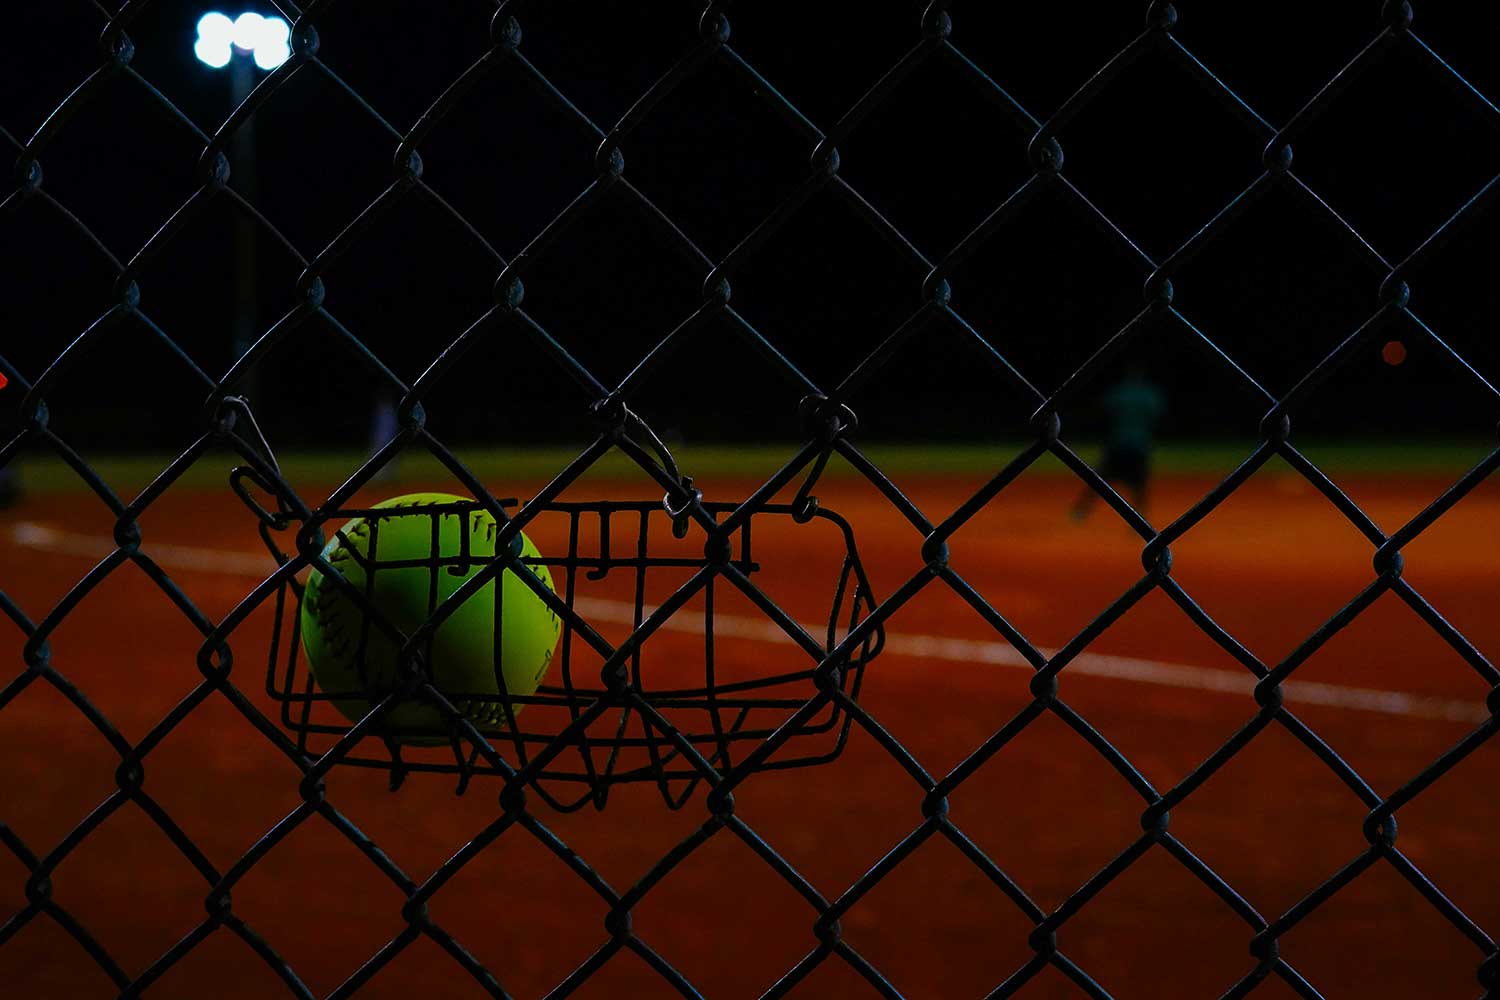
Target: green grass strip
[{"x": 128, "y": 474}]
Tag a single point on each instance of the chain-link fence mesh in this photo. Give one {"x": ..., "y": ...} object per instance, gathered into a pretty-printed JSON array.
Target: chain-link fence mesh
[{"x": 827, "y": 424}]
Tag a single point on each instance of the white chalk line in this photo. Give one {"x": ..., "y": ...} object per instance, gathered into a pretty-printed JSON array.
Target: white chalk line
[{"x": 40, "y": 537}]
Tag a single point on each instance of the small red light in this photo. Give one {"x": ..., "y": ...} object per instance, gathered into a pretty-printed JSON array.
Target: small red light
[{"x": 1393, "y": 353}]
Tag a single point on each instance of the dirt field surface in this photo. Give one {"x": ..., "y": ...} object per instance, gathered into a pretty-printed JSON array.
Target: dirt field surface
[{"x": 1274, "y": 563}]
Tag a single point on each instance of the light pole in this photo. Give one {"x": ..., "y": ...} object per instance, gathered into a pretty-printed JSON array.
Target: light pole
[{"x": 242, "y": 45}]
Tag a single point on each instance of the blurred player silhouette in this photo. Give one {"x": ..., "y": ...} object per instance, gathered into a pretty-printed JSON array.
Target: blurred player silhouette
[
  {"x": 1132, "y": 409},
  {"x": 383, "y": 427}
]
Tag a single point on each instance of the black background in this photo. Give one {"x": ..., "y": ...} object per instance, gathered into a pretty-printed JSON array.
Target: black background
[{"x": 1396, "y": 154}]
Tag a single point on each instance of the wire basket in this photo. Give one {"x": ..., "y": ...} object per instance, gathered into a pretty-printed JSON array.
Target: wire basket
[{"x": 609, "y": 560}]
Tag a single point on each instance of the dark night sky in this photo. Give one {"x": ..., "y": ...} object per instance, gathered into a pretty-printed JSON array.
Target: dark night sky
[{"x": 1396, "y": 154}]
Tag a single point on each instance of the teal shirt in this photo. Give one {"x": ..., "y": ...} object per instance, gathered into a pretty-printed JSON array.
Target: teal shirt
[{"x": 1133, "y": 407}]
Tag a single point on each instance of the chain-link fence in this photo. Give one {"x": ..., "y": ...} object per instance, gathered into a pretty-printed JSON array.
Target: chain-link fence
[{"x": 821, "y": 697}]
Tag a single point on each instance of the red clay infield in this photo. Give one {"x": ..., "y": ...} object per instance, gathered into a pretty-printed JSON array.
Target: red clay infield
[{"x": 1271, "y": 565}]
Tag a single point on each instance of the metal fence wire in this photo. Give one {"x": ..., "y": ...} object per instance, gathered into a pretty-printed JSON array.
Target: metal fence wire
[{"x": 829, "y": 427}]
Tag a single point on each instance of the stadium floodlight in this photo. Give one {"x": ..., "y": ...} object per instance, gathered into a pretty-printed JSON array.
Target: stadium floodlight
[
  {"x": 225, "y": 42},
  {"x": 267, "y": 40}
]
